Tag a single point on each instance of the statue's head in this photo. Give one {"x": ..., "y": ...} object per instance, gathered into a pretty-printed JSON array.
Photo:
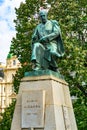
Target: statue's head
[{"x": 43, "y": 16}]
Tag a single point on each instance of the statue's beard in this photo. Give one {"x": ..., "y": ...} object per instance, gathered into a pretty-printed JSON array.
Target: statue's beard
[{"x": 44, "y": 20}]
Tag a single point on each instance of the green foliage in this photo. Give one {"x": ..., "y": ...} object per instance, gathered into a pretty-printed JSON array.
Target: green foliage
[
  {"x": 72, "y": 18},
  {"x": 25, "y": 24},
  {"x": 81, "y": 114},
  {"x": 21, "y": 44},
  {"x": 6, "y": 117}
]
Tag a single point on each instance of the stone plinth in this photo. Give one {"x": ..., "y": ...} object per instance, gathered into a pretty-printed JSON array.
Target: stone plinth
[{"x": 43, "y": 103}]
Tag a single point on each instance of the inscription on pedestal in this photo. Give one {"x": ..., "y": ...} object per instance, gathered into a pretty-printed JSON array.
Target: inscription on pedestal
[{"x": 33, "y": 109}]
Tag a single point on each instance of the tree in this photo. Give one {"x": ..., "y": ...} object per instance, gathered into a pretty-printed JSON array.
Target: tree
[
  {"x": 21, "y": 44},
  {"x": 72, "y": 19},
  {"x": 80, "y": 110},
  {"x": 6, "y": 117}
]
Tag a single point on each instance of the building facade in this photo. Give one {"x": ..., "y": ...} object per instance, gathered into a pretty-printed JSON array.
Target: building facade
[{"x": 6, "y": 81}]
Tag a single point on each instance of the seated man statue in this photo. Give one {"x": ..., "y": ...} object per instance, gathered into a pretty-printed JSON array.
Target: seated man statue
[{"x": 47, "y": 44}]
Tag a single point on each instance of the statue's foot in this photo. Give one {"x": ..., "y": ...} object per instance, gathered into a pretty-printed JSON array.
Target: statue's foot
[
  {"x": 55, "y": 69},
  {"x": 36, "y": 67}
]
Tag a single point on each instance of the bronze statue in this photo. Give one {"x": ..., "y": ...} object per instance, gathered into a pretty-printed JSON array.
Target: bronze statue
[{"x": 47, "y": 44}]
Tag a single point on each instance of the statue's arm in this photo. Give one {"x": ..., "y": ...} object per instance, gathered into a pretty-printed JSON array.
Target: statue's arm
[
  {"x": 35, "y": 35},
  {"x": 55, "y": 33}
]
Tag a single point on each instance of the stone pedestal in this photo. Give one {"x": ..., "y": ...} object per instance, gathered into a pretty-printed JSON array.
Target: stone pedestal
[{"x": 43, "y": 103}]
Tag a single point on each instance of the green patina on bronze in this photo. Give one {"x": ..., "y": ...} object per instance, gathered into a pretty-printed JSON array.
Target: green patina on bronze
[
  {"x": 43, "y": 73},
  {"x": 47, "y": 44}
]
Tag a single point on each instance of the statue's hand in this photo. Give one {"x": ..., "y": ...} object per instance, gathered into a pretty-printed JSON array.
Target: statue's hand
[{"x": 44, "y": 40}]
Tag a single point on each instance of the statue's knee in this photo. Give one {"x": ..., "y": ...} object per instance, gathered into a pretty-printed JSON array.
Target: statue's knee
[{"x": 37, "y": 44}]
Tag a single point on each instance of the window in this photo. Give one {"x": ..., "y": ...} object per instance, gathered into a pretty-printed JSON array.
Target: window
[
  {"x": 4, "y": 89},
  {"x": 14, "y": 62}
]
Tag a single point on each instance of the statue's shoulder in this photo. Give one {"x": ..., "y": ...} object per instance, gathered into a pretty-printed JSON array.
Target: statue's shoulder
[
  {"x": 39, "y": 25},
  {"x": 55, "y": 22}
]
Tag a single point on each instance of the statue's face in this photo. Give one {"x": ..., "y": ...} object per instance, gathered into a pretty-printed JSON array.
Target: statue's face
[{"x": 43, "y": 17}]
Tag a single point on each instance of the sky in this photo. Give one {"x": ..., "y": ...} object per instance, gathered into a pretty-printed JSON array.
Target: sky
[{"x": 7, "y": 26}]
